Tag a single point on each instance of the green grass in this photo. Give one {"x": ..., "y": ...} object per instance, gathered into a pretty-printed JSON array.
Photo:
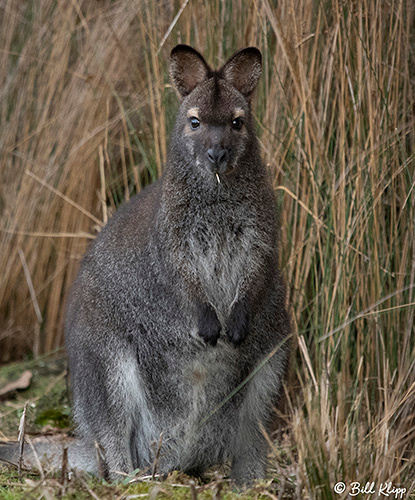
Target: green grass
[{"x": 47, "y": 393}]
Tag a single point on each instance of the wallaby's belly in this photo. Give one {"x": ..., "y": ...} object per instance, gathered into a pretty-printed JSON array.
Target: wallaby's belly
[{"x": 199, "y": 430}]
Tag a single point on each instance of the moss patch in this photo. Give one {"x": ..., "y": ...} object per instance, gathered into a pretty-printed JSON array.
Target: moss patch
[{"x": 47, "y": 395}]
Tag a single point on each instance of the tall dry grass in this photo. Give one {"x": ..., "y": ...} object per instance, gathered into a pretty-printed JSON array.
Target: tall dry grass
[
  {"x": 85, "y": 113},
  {"x": 76, "y": 116}
]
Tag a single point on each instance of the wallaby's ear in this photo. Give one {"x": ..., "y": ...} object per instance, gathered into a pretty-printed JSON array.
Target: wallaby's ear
[
  {"x": 187, "y": 69},
  {"x": 243, "y": 70}
]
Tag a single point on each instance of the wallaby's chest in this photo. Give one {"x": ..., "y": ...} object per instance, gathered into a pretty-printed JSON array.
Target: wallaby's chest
[{"x": 219, "y": 253}]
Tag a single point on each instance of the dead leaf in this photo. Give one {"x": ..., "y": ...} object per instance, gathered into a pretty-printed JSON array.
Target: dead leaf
[{"x": 22, "y": 382}]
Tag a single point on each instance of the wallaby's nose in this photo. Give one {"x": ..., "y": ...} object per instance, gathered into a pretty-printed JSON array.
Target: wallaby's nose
[{"x": 217, "y": 156}]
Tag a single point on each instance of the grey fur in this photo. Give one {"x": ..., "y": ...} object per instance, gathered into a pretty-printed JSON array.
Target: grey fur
[{"x": 180, "y": 296}]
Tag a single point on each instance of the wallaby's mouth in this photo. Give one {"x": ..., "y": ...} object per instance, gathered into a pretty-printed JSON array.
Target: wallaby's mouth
[
  {"x": 222, "y": 173},
  {"x": 220, "y": 176}
]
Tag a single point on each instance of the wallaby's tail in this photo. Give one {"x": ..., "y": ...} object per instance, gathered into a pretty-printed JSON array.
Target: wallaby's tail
[
  {"x": 48, "y": 453},
  {"x": 9, "y": 452}
]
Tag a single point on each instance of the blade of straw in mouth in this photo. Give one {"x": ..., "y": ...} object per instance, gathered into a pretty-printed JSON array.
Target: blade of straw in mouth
[{"x": 218, "y": 178}]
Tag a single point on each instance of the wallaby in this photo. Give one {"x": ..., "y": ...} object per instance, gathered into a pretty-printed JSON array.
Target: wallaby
[{"x": 176, "y": 325}]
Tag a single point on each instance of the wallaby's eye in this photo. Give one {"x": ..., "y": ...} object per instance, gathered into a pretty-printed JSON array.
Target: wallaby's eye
[
  {"x": 194, "y": 122},
  {"x": 237, "y": 123}
]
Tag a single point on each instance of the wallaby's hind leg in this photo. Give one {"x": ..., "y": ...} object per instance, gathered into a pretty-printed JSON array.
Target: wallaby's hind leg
[
  {"x": 108, "y": 399},
  {"x": 251, "y": 448}
]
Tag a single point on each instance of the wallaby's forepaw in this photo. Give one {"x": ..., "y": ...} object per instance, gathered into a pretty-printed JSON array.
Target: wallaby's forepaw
[
  {"x": 209, "y": 325},
  {"x": 237, "y": 326}
]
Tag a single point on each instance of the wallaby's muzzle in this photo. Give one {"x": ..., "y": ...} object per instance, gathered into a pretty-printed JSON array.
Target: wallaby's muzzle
[{"x": 218, "y": 158}]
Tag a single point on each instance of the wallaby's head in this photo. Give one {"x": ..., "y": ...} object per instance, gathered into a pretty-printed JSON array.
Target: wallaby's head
[{"x": 213, "y": 128}]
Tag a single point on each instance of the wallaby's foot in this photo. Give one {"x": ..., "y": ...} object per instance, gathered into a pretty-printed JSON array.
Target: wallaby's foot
[
  {"x": 237, "y": 326},
  {"x": 209, "y": 325},
  {"x": 196, "y": 473},
  {"x": 244, "y": 473}
]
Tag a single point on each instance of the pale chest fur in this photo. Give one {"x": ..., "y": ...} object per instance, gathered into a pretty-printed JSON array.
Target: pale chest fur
[{"x": 220, "y": 257}]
